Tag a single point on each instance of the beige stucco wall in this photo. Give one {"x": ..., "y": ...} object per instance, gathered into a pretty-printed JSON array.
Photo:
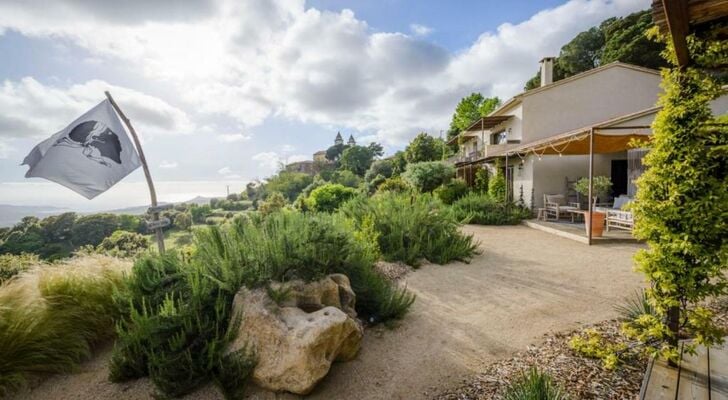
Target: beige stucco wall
[
  {"x": 550, "y": 173},
  {"x": 607, "y": 94}
]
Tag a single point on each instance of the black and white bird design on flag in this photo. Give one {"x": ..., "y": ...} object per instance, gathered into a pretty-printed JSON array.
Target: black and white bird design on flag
[{"x": 97, "y": 141}]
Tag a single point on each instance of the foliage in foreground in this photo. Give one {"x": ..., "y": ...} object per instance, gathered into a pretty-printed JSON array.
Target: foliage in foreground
[
  {"x": 681, "y": 209},
  {"x": 329, "y": 197},
  {"x": 534, "y": 385},
  {"x": 482, "y": 209},
  {"x": 292, "y": 245},
  {"x": 176, "y": 327},
  {"x": 11, "y": 265},
  {"x": 412, "y": 227},
  {"x": 50, "y": 317}
]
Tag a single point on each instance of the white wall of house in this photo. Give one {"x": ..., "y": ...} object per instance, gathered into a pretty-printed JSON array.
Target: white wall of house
[
  {"x": 549, "y": 174},
  {"x": 596, "y": 97}
]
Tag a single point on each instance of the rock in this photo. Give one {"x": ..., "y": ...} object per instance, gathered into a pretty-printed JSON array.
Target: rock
[
  {"x": 334, "y": 290},
  {"x": 295, "y": 346}
]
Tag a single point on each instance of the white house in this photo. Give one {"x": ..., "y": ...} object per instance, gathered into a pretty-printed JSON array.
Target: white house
[{"x": 544, "y": 134}]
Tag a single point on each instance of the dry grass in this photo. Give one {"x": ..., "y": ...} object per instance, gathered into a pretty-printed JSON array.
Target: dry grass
[{"x": 51, "y": 315}]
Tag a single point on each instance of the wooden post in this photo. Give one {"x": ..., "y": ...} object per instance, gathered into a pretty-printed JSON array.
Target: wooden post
[
  {"x": 591, "y": 185},
  {"x": 152, "y": 192}
]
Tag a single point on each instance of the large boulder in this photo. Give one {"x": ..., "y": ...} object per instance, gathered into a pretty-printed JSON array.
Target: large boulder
[{"x": 297, "y": 340}]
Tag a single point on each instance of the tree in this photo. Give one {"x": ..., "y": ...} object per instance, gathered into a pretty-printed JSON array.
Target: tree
[
  {"x": 384, "y": 168},
  {"x": 334, "y": 152},
  {"x": 427, "y": 176},
  {"x": 58, "y": 228},
  {"x": 615, "y": 39},
  {"x": 468, "y": 110},
  {"x": 346, "y": 178},
  {"x": 399, "y": 163},
  {"x": 200, "y": 213},
  {"x": 357, "y": 159},
  {"x": 25, "y": 237},
  {"x": 376, "y": 149},
  {"x": 289, "y": 184},
  {"x": 497, "y": 184},
  {"x": 681, "y": 207},
  {"x": 92, "y": 229},
  {"x": 424, "y": 148},
  {"x": 130, "y": 223}
]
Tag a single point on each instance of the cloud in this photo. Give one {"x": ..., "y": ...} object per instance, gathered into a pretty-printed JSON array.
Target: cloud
[
  {"x": 287, "y": 148},
  {"x": 228, "y": 173},
  {"x": 6, "y": 150},
  {"x": 268, "y": 160},
  {"x": 233, "y": 137},
  {"x": 168, "y": 164},
  {"x": 32, "y": 109},
  {"x": 420, "y": 30},
  {"x": 249, "y": 60}
]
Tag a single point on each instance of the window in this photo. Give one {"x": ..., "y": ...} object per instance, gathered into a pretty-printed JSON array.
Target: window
[{"x": 499, "y": 137}]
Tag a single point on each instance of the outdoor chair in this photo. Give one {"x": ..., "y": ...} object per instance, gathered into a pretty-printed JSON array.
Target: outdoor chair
[
  {"x": 616, "y": 217},
  {"x": 556, "y": 206}
]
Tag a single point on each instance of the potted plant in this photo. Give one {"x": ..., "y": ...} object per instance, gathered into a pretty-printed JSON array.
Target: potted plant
[{"x": 601, "y": 185}]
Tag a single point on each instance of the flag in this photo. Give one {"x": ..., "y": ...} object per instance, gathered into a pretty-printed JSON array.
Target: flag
[{"x": 89, "y": 156}]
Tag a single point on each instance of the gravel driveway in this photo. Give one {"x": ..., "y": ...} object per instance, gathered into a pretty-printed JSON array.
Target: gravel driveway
[{"x": 524, "y": 284}]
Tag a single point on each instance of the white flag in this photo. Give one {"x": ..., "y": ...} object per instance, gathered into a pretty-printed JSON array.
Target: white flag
[{"x": 89, "y": 156}]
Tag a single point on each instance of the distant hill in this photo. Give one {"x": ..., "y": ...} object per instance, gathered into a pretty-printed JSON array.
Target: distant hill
[{"x": 10, "y": 215}]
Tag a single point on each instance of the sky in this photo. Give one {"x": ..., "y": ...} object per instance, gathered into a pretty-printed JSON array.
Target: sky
[{"x": 223, "y": 91}]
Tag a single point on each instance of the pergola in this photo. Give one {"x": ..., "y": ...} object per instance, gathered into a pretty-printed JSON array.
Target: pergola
[
  {"x": 605, "y": 137},
  {"x": 481, "y": 125}
]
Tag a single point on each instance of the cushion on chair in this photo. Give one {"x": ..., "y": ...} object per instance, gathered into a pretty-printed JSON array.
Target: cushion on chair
[
  {"x": 559, "y": 199},
  {"x": 621, "y": 201}
]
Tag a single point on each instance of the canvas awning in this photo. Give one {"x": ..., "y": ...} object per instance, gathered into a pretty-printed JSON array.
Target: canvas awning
[{"x": 610, "y": 136}]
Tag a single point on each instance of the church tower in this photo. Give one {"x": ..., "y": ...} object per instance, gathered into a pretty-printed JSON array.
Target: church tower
[
  {"x": 351, "y": 141},
  {"x": 339, "y": 139}
]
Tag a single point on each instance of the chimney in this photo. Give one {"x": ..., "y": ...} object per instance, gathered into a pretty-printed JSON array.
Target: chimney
[{"x": 547, "y": 70}]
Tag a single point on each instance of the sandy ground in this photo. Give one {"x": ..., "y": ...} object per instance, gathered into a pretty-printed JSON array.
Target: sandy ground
[{"x": 524, "y": 284}]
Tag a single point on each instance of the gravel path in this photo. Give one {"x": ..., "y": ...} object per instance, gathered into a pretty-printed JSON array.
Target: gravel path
[{"x": 524, "y": 284}]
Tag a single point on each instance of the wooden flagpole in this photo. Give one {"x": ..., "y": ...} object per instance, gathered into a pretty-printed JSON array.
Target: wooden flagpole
[{"x": 152, "y": 192}]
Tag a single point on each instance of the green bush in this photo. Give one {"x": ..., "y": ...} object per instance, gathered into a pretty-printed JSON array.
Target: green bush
[
  {"x": 385, "y": 168},
  {"x": 497, "y": 185},
  {"x": 601, "y": 185},
  {"x": 427, "y": 176},
  {"x": 293, "y": 245},
  {"x": 176, "y": 327},
  {"x": 396, "y": 184},
  {"x": 329, "y": 197},
  {"x": 534, "y": 385},
  {"x": 452, "y": 191},
  {"x": 274, "y": 202},
  {"x": 412, "y": 227},
  {"x": 124, "y": 244},
  {"x": 11, "y": 264},
  {"x": 482, "y": 209},
  {"x": 50, "y": 318},
  {"x": 482, "y": 179}
]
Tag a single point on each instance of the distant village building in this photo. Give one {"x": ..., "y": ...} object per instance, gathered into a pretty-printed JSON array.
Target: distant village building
[{"x": 312, "y": 167}]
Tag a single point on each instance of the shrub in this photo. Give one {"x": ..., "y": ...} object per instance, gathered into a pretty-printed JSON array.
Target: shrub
[
  {"x": 92, "y": 229},
  {"x": 11, "y": 265},
  {"x": 385, "y": 168},
  {"x": 346, "y": 178},
  {"x": 452, "y": 191},
  {"x": 274, "y": 202},
  {"x": 288, "y": 183},
  {"x": 635, "y": 306},
  {"x": 534, "y": 385},
  {"x": 426, "y": 176},
  {"x": 481, "y": 180},
  {"x": 482, "y": 209},
  {"x": 176, "y": 328},
  {"x": 328, "y": 198},
  {"x": 294, "y": 245},
  {"x": 124, "y": 244},
  {"x": 412, "y": 227},
  {"x": 50, "y": 318},
  {"x": 183, "y": 221},
  {"x": 497, "y": 185},
  {"x": 396, "y": 184}
]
